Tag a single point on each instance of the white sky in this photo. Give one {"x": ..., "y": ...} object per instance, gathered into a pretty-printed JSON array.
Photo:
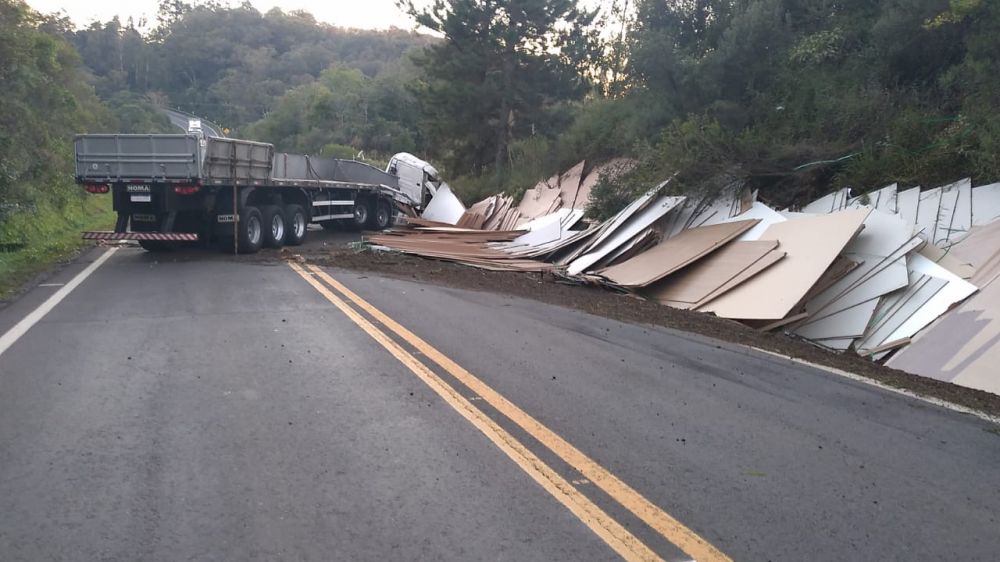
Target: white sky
[{"x": 366, "y": 14}]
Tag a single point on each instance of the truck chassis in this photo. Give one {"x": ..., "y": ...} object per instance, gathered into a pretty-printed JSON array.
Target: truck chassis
[{"x": 237, "y": 194}]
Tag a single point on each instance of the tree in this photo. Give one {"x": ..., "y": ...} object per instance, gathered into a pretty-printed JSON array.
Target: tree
[{"x": 502, "y": 66}]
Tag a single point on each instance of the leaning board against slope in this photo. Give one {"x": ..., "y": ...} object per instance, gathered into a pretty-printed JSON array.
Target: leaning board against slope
[{"x": 171, "y": 188}]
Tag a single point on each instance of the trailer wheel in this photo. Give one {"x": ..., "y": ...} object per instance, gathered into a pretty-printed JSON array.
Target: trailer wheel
[
  {"x": 273, "y": 221},
  {"x": 362, "y": 210},
  {"x": 296, "y": 227},
  {"x": 381, "y": 219},
  {"x": 251, "y": 230}
]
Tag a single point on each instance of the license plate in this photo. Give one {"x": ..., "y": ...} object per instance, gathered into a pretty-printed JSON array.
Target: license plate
[
  {"x": 144, "y": 218},
  {"x": 226, "y": 218},
  {"x": 140, "y": 198}
]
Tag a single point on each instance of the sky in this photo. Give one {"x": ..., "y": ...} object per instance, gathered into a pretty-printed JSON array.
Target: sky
[{"x": 368, "y": 14}]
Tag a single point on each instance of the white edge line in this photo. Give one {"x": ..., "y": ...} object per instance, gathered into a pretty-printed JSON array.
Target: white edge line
[
  {"x": 19, "y": 329},
  {"x": 902, "y": 391}
]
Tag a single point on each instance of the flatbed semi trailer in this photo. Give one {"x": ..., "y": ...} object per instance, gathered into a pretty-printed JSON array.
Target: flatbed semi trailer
[{"x": 171, "y": 188}]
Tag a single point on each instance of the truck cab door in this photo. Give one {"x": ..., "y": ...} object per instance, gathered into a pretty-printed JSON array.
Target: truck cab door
[{"x": 411, "y": 180}]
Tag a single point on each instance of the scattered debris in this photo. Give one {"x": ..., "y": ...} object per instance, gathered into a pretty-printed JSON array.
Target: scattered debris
[{"x": 866, "y": 274}]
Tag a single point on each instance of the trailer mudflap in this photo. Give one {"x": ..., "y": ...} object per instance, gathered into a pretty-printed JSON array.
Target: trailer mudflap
[{"x": 167, "y": 236}]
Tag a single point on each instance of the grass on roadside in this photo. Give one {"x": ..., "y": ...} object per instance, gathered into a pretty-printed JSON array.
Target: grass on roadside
[{"x": 33, "y": 242}]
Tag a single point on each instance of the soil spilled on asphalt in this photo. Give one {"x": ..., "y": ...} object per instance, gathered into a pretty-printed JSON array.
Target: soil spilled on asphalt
[{"x": 626, "y": 308}]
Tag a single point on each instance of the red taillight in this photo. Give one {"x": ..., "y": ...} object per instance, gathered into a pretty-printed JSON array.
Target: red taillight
[
  {"x": 97, "y": 188},
  {"x": 186, "y": 189}
]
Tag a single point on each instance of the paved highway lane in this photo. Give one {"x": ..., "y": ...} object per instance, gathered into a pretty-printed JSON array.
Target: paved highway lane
[{"x": 210, "y": 410}]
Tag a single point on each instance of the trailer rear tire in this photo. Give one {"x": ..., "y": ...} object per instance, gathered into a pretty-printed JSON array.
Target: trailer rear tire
[
  {"x": 296, "y": 223},
  {"x": 273, "y": 221},
  {"x": 381, "y": 218},
  {"x": 251, "y": 230}
]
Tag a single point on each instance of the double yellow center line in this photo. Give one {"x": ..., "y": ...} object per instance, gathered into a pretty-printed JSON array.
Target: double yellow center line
[{"x": 613, "y": 533}]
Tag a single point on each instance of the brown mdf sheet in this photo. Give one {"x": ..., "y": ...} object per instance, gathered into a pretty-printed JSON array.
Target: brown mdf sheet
[
  {"x": 471, "y": 219},
  {"x": 537, "y": 201},
  {"x": 610, "y": 169},
  {"x": 499, "y": 212},
  {"x": 981, "y": 249},
  {"x": 962, "y": 347},
  {"x": 674, "y": 254},
  {"x": 837, "y": 271},
  {"x": 767, "y": 325},
  {"x": 947, "y": 260},
  {"x": 569, "y": 184},
  {"x": 701, "y": 279},
  {"x": 417, "y": 221},
  {"x": 811, "y": 245},
  {"x": 758, "y": 267},
  {"x": 639, "y": 244}
]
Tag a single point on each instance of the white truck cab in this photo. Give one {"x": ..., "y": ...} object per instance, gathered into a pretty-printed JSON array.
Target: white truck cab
[{"x": 418, "y": 180}]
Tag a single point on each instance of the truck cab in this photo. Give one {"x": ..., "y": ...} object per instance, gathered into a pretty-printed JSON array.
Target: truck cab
[{"x": 418, "y": 180}]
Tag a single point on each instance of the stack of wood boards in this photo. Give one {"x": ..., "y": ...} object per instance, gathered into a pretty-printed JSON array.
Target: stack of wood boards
[
  {"x": 963, "y": 346},
  {"x": 867, "y": 272},
  {"x": 461, "y": 245}
]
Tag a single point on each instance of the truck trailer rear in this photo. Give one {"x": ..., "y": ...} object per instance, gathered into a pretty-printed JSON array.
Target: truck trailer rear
[{"x": 171, "y": 188}]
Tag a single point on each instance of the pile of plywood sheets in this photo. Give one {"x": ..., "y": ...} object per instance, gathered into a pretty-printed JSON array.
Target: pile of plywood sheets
[
  {"x": 467, "y": 246},
  {"x": 551, "y": 195},
  {"x": 908, "y": 271},
  {"x": 943, "y": 215},
  {"x": 673, "y": 254},
  {"x": 931, "y": 292},
  {"x": 840, "y": 313},
  {"x": 713, "y": 276},
  {"x": 496, "y": 212},
  {"x": 709, "y": 209},
  {"x": 811, "y": 245},
  {"x": 546, "y": 235},
  {"x": 623, "y": 227},
  {"x": 963, "y": 346}
]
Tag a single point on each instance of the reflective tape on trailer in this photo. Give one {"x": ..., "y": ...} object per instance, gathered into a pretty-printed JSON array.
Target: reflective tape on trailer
[{"x": 171, "y": 236}]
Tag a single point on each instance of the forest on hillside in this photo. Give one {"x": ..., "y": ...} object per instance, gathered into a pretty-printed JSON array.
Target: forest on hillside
[{"x": 792, "y": 97}]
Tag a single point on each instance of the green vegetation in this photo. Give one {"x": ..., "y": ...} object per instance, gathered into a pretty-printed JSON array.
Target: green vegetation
[
  {"x": 46, "y": 100},
  {"x": 796, "y": 97},
  {"x": 500, "y": 74},
  {"x": 47, "y": 235},
  {"x": 791, "y": 97}
]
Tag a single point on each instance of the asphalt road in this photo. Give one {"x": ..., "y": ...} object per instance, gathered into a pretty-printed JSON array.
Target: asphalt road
[
  {"x": 196, "y": 408},
  {"x": 180, "y": 119}
]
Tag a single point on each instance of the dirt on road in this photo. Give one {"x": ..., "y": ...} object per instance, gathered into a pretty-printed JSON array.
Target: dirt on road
[
  {"x": 340, "y": 250},
  {"x": 594, "y": 300}
]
